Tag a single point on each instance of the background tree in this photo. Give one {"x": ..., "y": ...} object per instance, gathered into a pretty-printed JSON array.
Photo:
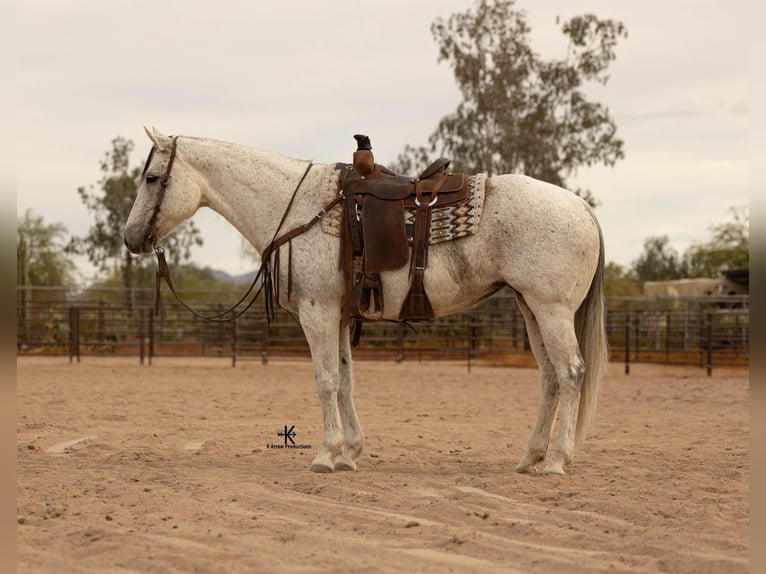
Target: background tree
[
  {"x": 41, "y": 258},
  {"x": 110, "y": 201},
  {"x": 520, "y": 113},
  {"x": 728, "y": 248},
  {"x": 620, "y": 282},
  {"x": 658, "y": 262}
]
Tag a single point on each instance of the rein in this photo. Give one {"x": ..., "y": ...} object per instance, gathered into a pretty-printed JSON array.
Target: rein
[{"x": 265, "y": 272}]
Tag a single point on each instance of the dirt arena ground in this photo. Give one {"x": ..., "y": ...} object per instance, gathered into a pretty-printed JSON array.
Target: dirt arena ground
[{"x": 126, "y": 469}]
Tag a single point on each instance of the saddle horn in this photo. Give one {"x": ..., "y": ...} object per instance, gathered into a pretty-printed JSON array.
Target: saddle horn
[{"x": 364, "y": 160}]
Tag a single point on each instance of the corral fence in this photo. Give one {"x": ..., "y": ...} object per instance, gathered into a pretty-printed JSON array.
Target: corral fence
[{"x": 702, "y": 331}]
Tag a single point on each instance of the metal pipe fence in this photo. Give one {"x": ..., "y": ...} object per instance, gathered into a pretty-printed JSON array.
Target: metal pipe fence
[{"x": 702, "y": 331}]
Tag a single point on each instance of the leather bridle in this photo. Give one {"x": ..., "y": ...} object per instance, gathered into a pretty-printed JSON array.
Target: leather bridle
[
  {"x": 152, "y": 233},
  {"x": 267, "y": 273}
]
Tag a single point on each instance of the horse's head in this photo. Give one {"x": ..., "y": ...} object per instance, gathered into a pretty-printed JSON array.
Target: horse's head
[{"x": 169, "y": 193}]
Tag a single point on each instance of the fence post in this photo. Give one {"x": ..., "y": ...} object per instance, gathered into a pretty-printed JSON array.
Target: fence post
[
  {"x": 701, "y": 341},
  {"x": 710, "y": 345},
  {"x": 667, "y": 337},
  {"x": 234, "y": 343},
  {"x": 151, "y": 337},
  {"x": 77, "y": 332},
  {"x": 71, "y": 333},
  {"x": 469, "y": 339},
  {"x": 657, "y": 323},
  {"x": 141, "y": 353},
  {"x": 737, "y": 346},
  {"x": 399, "y": 343},
  {"x": 627, "y": 344},
  {"x": 265, "y": 343},
  {"x": 101, "y": 327}
]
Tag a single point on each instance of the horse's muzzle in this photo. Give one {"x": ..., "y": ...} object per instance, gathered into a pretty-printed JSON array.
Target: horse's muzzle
[{"x": 137, "y": 242}]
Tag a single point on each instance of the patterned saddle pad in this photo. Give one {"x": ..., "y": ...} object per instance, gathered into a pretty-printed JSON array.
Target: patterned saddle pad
[{"x": 447, "y": 223}]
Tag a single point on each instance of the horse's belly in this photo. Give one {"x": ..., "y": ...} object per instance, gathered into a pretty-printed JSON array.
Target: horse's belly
[{"x": 455, "y": 279}]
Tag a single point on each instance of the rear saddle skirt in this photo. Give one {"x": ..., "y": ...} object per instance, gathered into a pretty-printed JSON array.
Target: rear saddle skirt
[{"x": 379, "y": 207}]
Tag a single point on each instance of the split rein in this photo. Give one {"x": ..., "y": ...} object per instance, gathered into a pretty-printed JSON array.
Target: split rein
[{"x": 267, "y": 274}]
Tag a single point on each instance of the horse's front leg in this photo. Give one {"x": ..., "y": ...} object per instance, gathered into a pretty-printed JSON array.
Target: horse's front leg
[
  {"x": 353, "y": 437},
  {"x": 321, "y": 325}
]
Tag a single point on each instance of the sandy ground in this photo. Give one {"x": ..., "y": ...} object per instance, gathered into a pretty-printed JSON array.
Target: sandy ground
[{"x": 123, "y": 468}]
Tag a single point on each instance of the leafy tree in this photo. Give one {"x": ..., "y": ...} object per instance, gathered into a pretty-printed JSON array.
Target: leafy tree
[
  {"x": 41, "y": 257},
  {"x": 187, "y": 278},
  {"x": 110, "y": 201},
  {"x": 41, "y": 260},
  {"x": 658, "y": 262},
  {"x": 728, "y": 248},
  {"x": 519, "y": 112},
  {"x": 620, "y": 282}
]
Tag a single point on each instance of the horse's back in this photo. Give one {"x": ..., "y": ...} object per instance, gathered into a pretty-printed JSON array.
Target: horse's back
[
  {"x": 532, "y": 197},
  {"x": 540, "y": 211}
]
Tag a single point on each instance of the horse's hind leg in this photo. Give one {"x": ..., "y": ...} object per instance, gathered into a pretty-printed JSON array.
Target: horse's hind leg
[
  {"x": 353, "y": 437},
  {"x": 541, "y": 433},
  {"x": 556, "y": 322},
  {"x": 320, "y": 325}
]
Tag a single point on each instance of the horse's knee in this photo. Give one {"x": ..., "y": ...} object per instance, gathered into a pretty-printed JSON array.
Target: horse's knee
[{"x": 327, "y": 388}]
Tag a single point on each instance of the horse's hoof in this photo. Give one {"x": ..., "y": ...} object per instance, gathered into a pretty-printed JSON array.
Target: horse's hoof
[
  {"x": 526, "y": 468},
  {"x": 345, "y": 465},
  {"x": 554, "y": 469},
  {"x": 528, "y": 464},
  {"x": 319, "y": 467},
  {"x": 556, "y": 464}
]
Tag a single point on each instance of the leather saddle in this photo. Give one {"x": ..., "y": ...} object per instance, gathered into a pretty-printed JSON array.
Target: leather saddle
[{"x": 374, "y": 234}]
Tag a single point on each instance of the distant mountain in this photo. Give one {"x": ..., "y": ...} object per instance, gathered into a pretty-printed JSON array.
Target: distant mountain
[{"x": 245, "y": 278}]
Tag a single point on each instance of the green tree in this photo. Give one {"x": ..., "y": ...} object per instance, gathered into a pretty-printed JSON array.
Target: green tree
[
  {"x": 728, "y": 248},
  {"x": 519, "y": 112},
  {"x": 41, "y": 260},
  {"x": 41, "y": 256},
  {"x": 658, "y": 262},
  {"x": 188, "y": 278},
  {"x": 110, "y": 201},
  {"x": 619, "y": 281}
]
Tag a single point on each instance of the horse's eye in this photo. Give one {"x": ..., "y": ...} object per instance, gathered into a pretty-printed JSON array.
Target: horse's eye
[{"x": 152, "y": 178}]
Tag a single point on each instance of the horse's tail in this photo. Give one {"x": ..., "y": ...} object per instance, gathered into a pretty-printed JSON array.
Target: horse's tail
[{"x": 590, "y": 328}]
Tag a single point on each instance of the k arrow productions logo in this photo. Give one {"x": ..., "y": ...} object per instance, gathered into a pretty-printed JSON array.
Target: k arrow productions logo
[{"x": 288, "y": 434}]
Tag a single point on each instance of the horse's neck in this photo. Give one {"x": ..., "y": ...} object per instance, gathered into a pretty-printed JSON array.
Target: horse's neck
[{"x": 248, "y": 187}]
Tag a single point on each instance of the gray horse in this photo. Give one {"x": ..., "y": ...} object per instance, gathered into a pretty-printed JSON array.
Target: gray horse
[{"x": 538, "y": 239}]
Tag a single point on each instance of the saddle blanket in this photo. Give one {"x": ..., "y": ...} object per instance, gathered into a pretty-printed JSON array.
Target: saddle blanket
[{"x": 447, "y": 223}]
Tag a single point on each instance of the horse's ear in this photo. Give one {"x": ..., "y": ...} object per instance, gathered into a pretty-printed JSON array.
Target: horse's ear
[
  {"x": 159, "y": 140},
  {"x": 151, "y": 136}
]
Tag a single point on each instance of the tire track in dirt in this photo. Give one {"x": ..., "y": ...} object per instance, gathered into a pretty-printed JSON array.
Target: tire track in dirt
[
  {"x": 482, "y": 540},
  {"x": 69, "y": 445}
]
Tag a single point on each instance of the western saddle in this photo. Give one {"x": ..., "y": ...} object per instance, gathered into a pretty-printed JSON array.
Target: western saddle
[{"x": 373, "y": 233}]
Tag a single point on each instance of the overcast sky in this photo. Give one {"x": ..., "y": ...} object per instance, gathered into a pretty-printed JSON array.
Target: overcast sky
[{"x": 300, "y": 78}]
